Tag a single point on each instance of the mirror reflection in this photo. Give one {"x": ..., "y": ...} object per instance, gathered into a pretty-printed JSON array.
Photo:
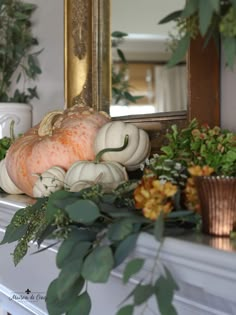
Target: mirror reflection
[{"x": 139, "y": 59}]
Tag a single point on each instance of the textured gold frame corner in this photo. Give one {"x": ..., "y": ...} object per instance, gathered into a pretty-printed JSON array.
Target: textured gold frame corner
[{"x": 87, "y": 53}]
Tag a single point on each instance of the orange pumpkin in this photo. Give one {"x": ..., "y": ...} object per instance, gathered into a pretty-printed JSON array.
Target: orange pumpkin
[{"x": 61, "y": 138}]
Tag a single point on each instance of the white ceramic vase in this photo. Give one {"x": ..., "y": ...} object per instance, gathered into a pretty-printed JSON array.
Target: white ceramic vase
[{"x": 20, "y": 113}]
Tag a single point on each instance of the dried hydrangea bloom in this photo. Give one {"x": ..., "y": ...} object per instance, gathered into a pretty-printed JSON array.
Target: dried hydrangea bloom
[{"x": 153, "y": 196}]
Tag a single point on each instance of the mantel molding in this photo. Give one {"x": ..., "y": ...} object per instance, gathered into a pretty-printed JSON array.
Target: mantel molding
[{"x": 206, "y": 275}]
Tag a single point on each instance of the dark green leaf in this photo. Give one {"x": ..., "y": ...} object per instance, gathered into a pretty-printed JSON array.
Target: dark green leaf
[
  {"x": 119, "y": 230},
  {"x": 125, "y": 248},
  {"x": 68, "y": 277},
  {"x": 121, "y": 55},
  {"x": 118, "y": 34},
  {"x": 179, "y": 214},
  {"x": 229, "y": 47},
  {"x": 81, "y": 306},
  {"x": 126, "y": 310},
  {"x": 70, "y": 250},
  {"x": 164, "y": 290},
  {"x": 98, "y": 265},
  {"x": 216, "y": 5},
  {"x": 191, "y": 7},
  {"x": 171, "y": 17},
  {"x": 132, "y": 267},
  {"x": 58, "y": 307},
  {"x": 205, "y": 15},
  {"x": 83, "y": 211},
  {"x": 159, "y": 227},
  {"x": 13, "y": 233},
  {"x": 180, "y": 51},
  {"x": 142, "y": 293}
]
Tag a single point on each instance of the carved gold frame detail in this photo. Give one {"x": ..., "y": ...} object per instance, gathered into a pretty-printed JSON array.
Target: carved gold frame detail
[{"x": 87, "y": 53}]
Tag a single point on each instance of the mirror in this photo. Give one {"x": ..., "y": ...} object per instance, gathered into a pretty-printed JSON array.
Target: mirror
[
  {"x": 88, "y": 70},
  {"x": 146, "y": 49}
]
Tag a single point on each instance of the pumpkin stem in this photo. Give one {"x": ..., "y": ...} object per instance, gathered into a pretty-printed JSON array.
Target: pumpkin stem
[
  {"x": 12, "y": 134},
  {"x": 100, "y": 153},
  {"x": 46, "y": 125}
]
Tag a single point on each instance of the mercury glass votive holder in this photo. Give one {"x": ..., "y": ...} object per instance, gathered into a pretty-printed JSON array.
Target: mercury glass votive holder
[{"x": 217, "y": 197}]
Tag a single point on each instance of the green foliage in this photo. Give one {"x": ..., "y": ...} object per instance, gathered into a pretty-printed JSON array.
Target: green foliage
[
  {"x": 212, "y": 19},
  {"x": 18, "y": 63},
  {"x": 201, "y": 145},
  {"x": 120, "y": 82},
  {"x": 98, "y": 231}
]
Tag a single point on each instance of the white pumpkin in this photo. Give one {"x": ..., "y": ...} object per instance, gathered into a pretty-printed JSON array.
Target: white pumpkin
[
  {"x": 49, "y": 181},
  {"x": 112, "y": 135},
  {"x": 5, "y": 181},
  {"x": 83, "y": 174}
]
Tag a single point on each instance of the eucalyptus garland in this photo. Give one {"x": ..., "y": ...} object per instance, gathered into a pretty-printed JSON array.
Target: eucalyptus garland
[{"x": 96, "y": 232}]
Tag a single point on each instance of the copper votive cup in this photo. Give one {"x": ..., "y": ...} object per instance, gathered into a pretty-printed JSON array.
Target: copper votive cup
[{"x": 217, "y": 197}]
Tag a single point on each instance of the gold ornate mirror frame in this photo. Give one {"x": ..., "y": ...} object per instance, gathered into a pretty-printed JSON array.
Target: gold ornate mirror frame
[
  {"x": 88, "y": 70},
  {"x": 87, "y": 53}
]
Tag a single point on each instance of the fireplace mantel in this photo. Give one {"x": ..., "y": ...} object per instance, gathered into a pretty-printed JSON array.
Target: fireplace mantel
[{"x": 204, "y": 268}]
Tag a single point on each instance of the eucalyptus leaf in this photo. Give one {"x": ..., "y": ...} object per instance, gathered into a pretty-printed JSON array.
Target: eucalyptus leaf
[
  {"x": 180, "y": 51},
  {"x": 124, "y": 248},
  {"x": 83, "y": 211},
  {"x": 68, "y": 277},
  {"x": 98, "y": 265},
  {"x": 190, "y": 8},
  {"x": 159, "y": 227},
  {"x": 229, "y": 47},
  {"x": 81, "y": 306},
  {"x": 71, "y": 250},
  {"x": 165, "y": 288},
  {"x": 55, "y": 306},
  {"x": 132, "y": 267},
  {"x": 119, "y": 230},
  {"x": 126, "y": 310},
  {"x": 171, "y": 17},
  {"x": 142, "y": 293},
  {"x": 206, "y": 11}
]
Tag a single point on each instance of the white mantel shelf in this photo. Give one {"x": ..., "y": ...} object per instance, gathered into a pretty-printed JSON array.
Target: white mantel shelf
[{"x": 204, "y": 268}]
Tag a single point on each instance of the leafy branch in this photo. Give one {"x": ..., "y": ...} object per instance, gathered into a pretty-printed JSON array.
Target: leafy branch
[
  {"x": 18, "y": 63},
  {"x": 120, "y": 82},
  {"x": 208, "y": 19},
  {"x": 98, "y": 231}
]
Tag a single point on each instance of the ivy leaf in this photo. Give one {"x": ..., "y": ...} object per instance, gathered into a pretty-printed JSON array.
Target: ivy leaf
[
  {"x": 98, "y": 265},
  {"x": 126, "y": 310},
  {"x": 125, "y": 248},
  {"x": 159, "y": 227},
  {"x": 132, "y": 267},
  {"x": 81, "y": 306},
  {"x": 83, "y": 211}
]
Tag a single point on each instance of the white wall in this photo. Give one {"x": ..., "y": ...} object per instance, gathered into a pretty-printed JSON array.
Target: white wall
[
  {"x": 228, "y": 97},
  {"x": 48, "y": 27}
]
